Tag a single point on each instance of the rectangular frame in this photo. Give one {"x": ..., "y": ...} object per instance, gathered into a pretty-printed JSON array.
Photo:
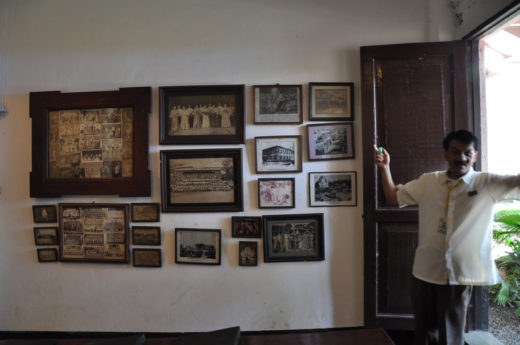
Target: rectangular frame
[
  {"x": 92, "y": 232},
  {"x": 191, "y": 245},
  {"x": 44, "y": 214},
  {"x": 102, "y": 148},
  {"x": 246, "y": 227},
  {"x": 45, "y": 236},
  {"x": 276, "y": 192},
  {"x": 336, "y": 188},
  {"x": 146, "y": 257},
  {"x": 247, "y": 253},
  {"x": 145, "y": 212},
  {"x": 146, "y": 235},
  {"x": 47, "y": 254},
  {"x": 330, "y": 141},
  {"x": 277, "y": 104},
  {"x": 293, "y": 237},
  {"x": 201, "y": 180},
  {"x": 331, "y": 101},
  {"x": 209, "y": 114},
  {"x": 278, "y": 154}
]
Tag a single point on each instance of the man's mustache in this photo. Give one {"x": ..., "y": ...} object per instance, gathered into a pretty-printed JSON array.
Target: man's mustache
[{"x": 461, "y": 163}]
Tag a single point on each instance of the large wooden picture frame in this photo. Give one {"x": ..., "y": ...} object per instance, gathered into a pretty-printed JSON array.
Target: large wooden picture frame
[
  {"x": 277, "y": 104},
  {"x": 91, "y": 232},
  {"x": 331, "y": 101},
  {"x": 210, "y": 114},
  {"x": 90, "y": 143},
  {"x": 201, "y": 180}
]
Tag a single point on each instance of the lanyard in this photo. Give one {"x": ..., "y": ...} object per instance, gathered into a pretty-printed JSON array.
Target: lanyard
[{"x": 450, "y": 189}]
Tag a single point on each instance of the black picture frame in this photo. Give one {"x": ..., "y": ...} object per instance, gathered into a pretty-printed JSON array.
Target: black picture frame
[
  {"x": 278, "y": 154},
  {"x": 246, "y": 227},
  {"x": 277, "y": 104},
  {"x": 208, "y": 180},
  {"x": 331, "y": 101},
  {"x": 47, "y": 254},
  {"x": 330, "y": 141},
  {"x": 146, "y": 235},
  {"x": 198, "y": 246},
  {"x": 276, "y": 192},
  {"x": 44, "y": 214},
  {"x": 90, "y": 143},
  {"x": 146, "y": 257},
  {"x": 145, "y": 212},
  {"x": 45, "y": 236},
  {"x": 207, "y": 114},
  {"x": 293, "y": 237},
  {"x": 333, "y": 189},
  {"x": 247, "y": 253}
]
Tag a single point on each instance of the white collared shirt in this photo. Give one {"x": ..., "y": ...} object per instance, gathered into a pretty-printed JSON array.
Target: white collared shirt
[{"x": 461, "y": 255}]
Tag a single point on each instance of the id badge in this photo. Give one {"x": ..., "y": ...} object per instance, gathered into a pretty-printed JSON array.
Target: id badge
[{"x": 442, "y": 226}]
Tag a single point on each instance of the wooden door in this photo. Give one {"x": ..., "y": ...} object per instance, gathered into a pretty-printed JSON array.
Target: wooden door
[{"x": 412, "y": 96}]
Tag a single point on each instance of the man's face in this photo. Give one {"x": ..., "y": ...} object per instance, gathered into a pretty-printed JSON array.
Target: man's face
[{"x": 460, "y": 158}]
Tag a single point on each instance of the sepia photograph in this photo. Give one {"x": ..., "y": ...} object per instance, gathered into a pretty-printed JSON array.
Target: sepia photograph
[
  {"x": 45, "y": 236},
  {"x": 294, "y": 237},
  {"x": 246, "y": 227},
  {"x": 332, "y": 189},
  {"x": 198, "y": 246},
  {"x": 145, "y": 212},
  {"x": 146, "y": 235},
  {"x": 277, "y": 104},
  {"x": 247, "y": 253},
  {"x": 331, "y": 101},
  {"x": 281, "y": 154},
  {"x": 146, "y": 257},
  {"x": 329, "y": 142},
  {"x": 47, "y": 255},
  {"x": 211, "y": 114},
  {"x": 94, "y": 232},
  {"x": 44, "y": 214},
  {"x": 276, "y": 193}
]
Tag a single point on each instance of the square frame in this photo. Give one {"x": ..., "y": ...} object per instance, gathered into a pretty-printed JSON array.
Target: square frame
[
  {"x": 47, "y": 254},
  {"x": 293, "y": 237},
  {"x": 145, "y": 212},
  {"x": 44, "y": 214},
  {"x": 94, "y": 232},
  {"x": 146, "y": 257},
  {"x": 192, "y": 244},
  {"x": 277, "y": 104},
  {"x": 247, "y": 253},
  {"x": 146, "y": 235},
  {"x": 246, "y": 227},
  {"x": 331, "y": 101},
  {"x": 45, "y": 236},
  {"x": 276, "y": 192},
  {"x": 330, "y": 141},
  {"x": 201, "y": 180},
  {"x": 210, "y": 114},
  {"x": 111, "y": 160},
  {"x": 278, "y": 154},
  {"x": 337, "y": 188}
]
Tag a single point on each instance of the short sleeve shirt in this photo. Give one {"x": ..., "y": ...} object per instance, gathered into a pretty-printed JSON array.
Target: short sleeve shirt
[{"x": 457, "y": 251}]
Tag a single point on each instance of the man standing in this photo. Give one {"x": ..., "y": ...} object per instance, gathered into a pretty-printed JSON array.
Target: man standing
[{"x": 456, "y": 210}]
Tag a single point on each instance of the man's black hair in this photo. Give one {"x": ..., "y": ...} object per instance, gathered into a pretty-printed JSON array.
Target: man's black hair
[{"x": 461, "y": 135}]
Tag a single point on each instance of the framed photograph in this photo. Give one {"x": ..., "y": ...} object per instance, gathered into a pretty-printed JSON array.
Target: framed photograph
[
  {"x": 247, "y": 253},
  {"x": 276, "y": 192},
  {"x": 337, "y": 188},
  {"x": 198, "y": 246},
  {"x": 45, "y": 236},
  {"x": 211, "y": 114},
  {"x": 145, "y": 212},
  {"x": 201, "y": 180},
  {"x": 146, "y": 235},
  {"x": 146, "y": 257},
  {"x": 246, "y": 227},
  {"x": 277, "y": 104},
  {"x": 93, "y": 232},
  {"x": 331, "y": 101},
  {"x": 333, "y": 141},
  {"x": 293, "y": 237},
  {"x": 281, "y": 154},
  {"x": 90, "y": 143},
  {"x": 44, "y": 214},
  {"x": 47, "y": 255}
]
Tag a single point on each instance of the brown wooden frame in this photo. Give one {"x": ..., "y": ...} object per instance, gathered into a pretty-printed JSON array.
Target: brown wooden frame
[
  {"x": 53, "y": 240},
  {"x": 157, "y": 253},
  {"x": 349, "y": 152},
  {"x": 151, "y": 229},
  {"x": 51, "y": 218},
  {"x": 54, "y": 252},
  {"x": 136, "y": 218},
  {"x": 42, "y": 103},
  {"x": 259, "y": 166},
  {"x": 273, "y": 118},
  {"x": 244, "y": 244},
  {"x": 236, "y": 221},
  {"x": 331, "y": 117}
]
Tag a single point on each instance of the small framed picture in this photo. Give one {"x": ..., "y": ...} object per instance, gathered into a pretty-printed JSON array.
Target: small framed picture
[
  {"x": 246, "y": 227},
  {"x": 146, "y": 258},
  {"x": 332, "y": 188},
  {"x": 45, "y": 236},
  {"x": 277, "y": 104},
  {"x": 332, "y": 141},
  {"x": 47, "y": 255},
  {"x": 198, "y": 246},
  {"x": 276, "y": 193},
  {"x": 282, "y": 154},
  {"x": 44, "y": 213},
  {"x": 331, "y": 101},
  {"x": 145, "y": 212},
  {"x": 247, "y": 253},
  {"x": 146, "y": 235}
]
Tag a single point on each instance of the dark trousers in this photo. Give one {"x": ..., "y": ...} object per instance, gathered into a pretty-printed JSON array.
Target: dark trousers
[{"x": 440, "y": 312}]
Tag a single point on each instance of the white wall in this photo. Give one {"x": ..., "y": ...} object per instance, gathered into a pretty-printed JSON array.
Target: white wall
[{"x": 77, "y": 45}]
